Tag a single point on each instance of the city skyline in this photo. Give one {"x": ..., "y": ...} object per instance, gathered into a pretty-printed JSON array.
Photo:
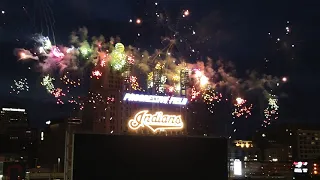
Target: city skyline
[
  {"x": 203, "y": 89},
  {"x": 243, "y": 56}
]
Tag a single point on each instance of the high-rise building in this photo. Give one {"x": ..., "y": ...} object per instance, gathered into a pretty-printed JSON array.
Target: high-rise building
[
  {"x": 308, "y": 143},
  {"x": 104, "y": 110},
  {"x": 16, "y": 137},
  {"x": 54, "y": 143},
  {"x": 12, "y": 121},
  {"x": 107, "y": 111}
]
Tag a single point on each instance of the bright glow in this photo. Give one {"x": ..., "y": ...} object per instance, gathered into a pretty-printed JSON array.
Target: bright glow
[
  {"x": 237, "y": 168},
  {"x": 186, "y": 13},
  {"x": 284, "y": 79},
  {"x": 204, "y": 81},
  {"x": 298, "y": 170},
  {"x": 155, "y": 122},
  {"x": 96, "y": 73},
  {"x": 155, "y": 99},
  {"x": 13, "y": 109},
  {"x": 57, "y": 53},
  {"x": 300, "y": 167},
  {"x": 138, "y": 21},
  {"x": 42, "y": 136},
  {"x": 240, "y": 100},
  {"x": 48, "y": 122},
  {"x": 23, "y": 55},
  {"x": 198, "y": 73}
]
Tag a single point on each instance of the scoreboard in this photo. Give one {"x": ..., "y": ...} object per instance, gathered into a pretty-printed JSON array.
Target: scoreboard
[{"x": 101, "y": 156}]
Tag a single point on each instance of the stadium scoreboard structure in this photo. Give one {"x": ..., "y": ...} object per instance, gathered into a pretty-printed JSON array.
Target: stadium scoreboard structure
[
  {"x": 101, "y": 156},
  {"x": 156, "y": 114}
]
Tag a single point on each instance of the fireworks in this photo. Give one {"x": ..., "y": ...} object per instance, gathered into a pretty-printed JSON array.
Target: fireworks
[
  {"x": 164, "y": 71},
  {"x": 138, "y": 21},
  {"x": 194, "y": 94},
  {"x": 200, "y": 78},
  {"x": 47, "y": 82},
  {"x": 77, "y": 101},
  {"x": 203, "y": 81},
  {"x": 24, "y": 54},
  {"x": 134, "y": 83},
  {"x": 85, "y": 49},
  {"x": 96, "y": 98},
  {"x": 97, "y": 74},
  {"x": 57, "y": 93},
  {"x": 186, "y": 13},
  {"x": 57, "y": 53},
  {"x": 131, "y": 59},
  {"x": 176, "y": 78},
  {"x": 110, "y": 100},
  {"x": 45, "y": 44},
  {"x": 19, "y": 86},
  {"x": 241, "y": 109},
  {"x": 171, "y": 89},
  {"x": 150, "y": 80},
  {"x": 284, "y": 79},
  {"x": 103, "y": 63},
  {"x": 210, "y": 97},
  {"x": 118, "y": 57},
  {"x": 70, "y": 82},
  {"x": 271, "y": 112}
]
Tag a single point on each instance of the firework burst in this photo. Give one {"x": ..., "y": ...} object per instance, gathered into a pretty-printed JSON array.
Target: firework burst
[
  {"x": 19, "y": 86},
  {"x": 211, "y": 97},
  {"x": 271, "y": 112},
  {"x": 47, "y": 82},
  {"x": 241, "y": 108}
]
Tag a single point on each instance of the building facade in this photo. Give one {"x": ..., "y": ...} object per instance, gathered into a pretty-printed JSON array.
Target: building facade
[
  {"x": 13, "y": 121},
  {"x": 308, "y": 143},
  {"x": 104, "y": 111},
  {"x": 52, "y": 148},
  {"x": 244, "y": 150},
  {"x": 301, "y": 140},
  {"x": 108, "y": 112},
  {"x": 17, "y": 139}
]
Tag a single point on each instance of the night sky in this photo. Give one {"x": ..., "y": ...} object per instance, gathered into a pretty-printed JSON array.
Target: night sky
[{"x": 236, "y": 32}]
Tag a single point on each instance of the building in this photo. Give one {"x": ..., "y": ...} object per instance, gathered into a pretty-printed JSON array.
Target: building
[
  {"x": 13, "y": 122},
  {"x": 52, "y": 149},
  {"x": 244, "y": 150},
  {"x": 12, "y": 170},
  {"x": 17, "y": 139},
  {"x": 277, "y": 153},
  {"x": 302, "y": 140},
  {"x": 278, "y": 170},
  {"x": 108, "y": 111},
  {"x": 104, "y": 112},
  {"x": 308, "y": 143},
  {"x": 247, "y": 160},
  {"x": 148, "y": 157}
]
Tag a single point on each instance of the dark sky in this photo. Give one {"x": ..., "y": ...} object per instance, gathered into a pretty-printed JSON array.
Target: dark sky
[{"x": 238, "y": 32}]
